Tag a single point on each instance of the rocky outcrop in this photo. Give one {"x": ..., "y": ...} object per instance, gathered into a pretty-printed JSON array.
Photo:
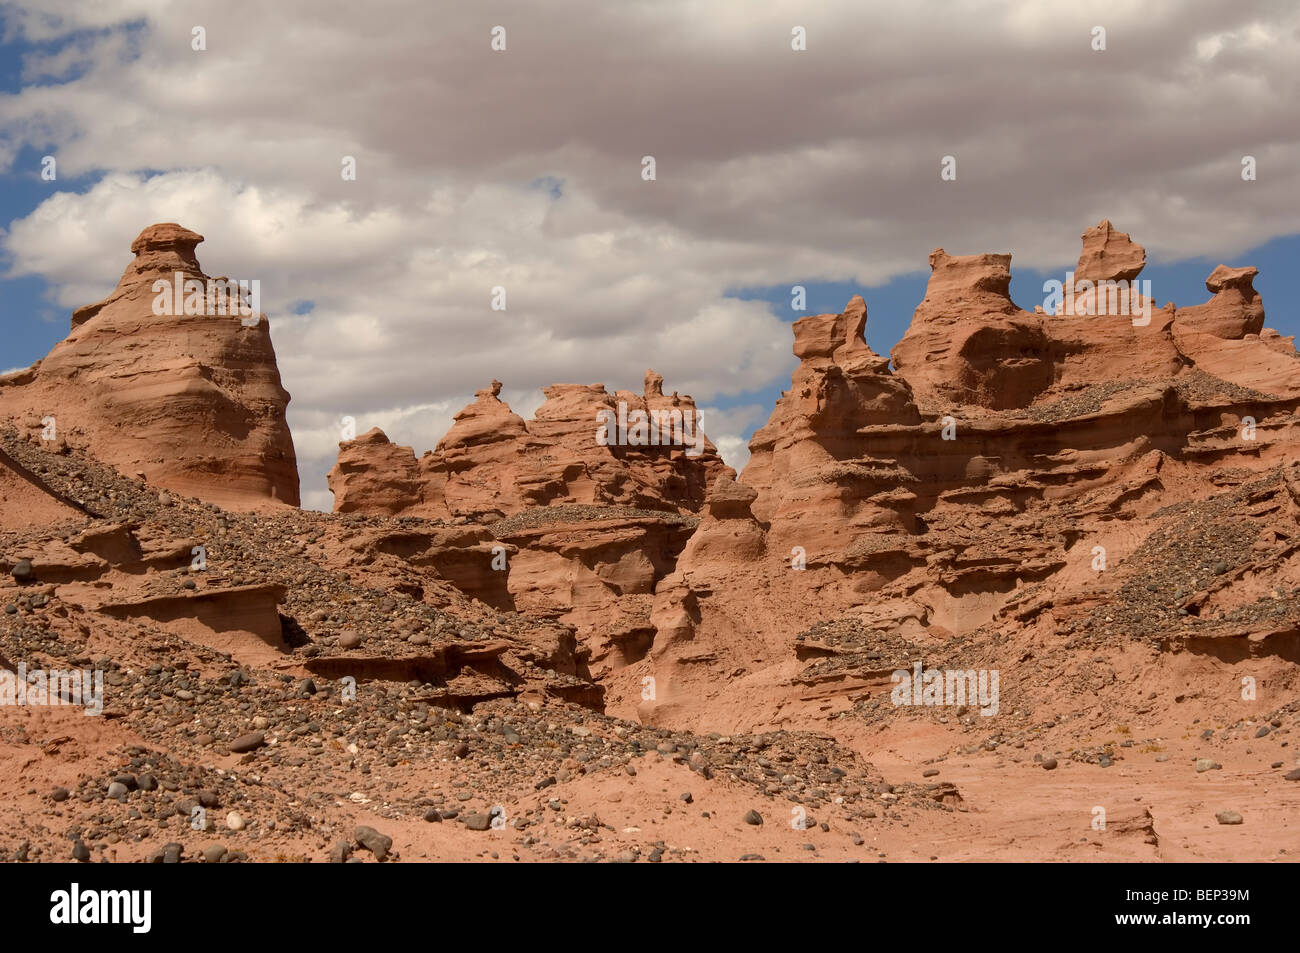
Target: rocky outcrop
[
  {"x": 1235, "y": 310},
  {"x": 729, "y": 531},
  {"x": 805, "y": 462},
  {"x": 583, "y": 447},
  {"x": 1226, "y": 336},
  {"x": 597, "y": 571},
  {"x": 988, "y": 463},
  {"x": 373, "y": 475},
  {"x": 242, "y": 620},
  {"x": 969, "y": 344},
  {"x": 189, "y": 398},
  {"x": 1109, "y": 255},
  {"x": 968, "y": 492},
  {"x": 591, "y": 500},
  {"x": 469, "y": 557}
]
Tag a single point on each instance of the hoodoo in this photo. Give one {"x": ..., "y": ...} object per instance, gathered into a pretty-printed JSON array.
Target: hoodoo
[{"x": 191, "y": 401}]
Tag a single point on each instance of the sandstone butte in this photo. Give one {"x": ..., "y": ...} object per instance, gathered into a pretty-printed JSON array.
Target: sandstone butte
[{"x": 1101, "y": 515}]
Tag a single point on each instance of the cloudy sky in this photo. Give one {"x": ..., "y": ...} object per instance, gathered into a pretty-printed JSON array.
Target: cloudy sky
[{"x": 522, "y": 168}]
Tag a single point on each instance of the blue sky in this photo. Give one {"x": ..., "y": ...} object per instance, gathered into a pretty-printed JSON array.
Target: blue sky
[
  {"x": 32, "y": 321},
  {"x": 30, "y": 324}
]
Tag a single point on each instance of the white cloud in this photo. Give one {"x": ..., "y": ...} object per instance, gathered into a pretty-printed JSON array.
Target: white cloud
[
  {"x": 774, "y": 167},
  {"x": 726, "y": 428}
]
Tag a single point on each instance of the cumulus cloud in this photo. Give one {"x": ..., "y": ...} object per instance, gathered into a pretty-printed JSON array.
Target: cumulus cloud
[
  {"x": 522, "y": 169},
  {"x": 729, "y": 424}
]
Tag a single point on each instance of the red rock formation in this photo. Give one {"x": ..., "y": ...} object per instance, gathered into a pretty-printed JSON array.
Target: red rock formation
[
  {"x": 729, "y": 531},
  {"x": 597, "y": 573},
  {"x": 1104, "y": 522},
  {"x": 1109, "y": 255},
  {"x": 592, "y": 556},
  {"x": 373, "y": 475},
  {"x": 968, "y": 342},
  {"x": 469, "y": 557},
  {"x": 492, "y": 464},
  {"x": 1038, "y": 437},
  {"x": 1223, "y": 336},
  {"x": 192, "y": 401},
  {"x": 801, "y": 461},
  {"x": 960, "y": 495}
]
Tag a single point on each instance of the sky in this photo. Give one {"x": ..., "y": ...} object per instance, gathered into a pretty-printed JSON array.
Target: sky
[{"x": 523, "y": 168}]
